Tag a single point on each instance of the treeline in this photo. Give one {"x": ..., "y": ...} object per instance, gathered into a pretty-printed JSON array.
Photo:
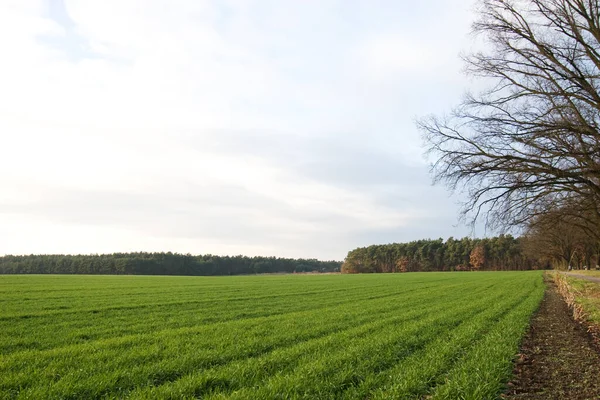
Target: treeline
[
  {"x": 565, "y": 239},
  {"x": 500, "y": 253},
  {"x": 159, "y": 264}
]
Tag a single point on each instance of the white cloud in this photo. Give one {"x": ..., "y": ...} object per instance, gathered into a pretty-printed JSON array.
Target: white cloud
[
  {"x": 114, "y": 116},
  {"x": 388, "y": 56}
]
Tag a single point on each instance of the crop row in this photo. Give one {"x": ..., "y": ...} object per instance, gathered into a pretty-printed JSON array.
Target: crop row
[{"x": 394, "y": 336}]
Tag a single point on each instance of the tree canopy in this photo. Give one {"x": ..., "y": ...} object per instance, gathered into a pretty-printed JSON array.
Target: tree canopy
[
  {"x": 499, "y": 253},
  {"x": 529, "y": 144},
  {"x": 159, "y": 264}
]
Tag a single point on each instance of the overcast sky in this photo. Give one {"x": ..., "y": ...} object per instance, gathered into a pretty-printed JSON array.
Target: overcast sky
[{"x": 257, "y": 127}]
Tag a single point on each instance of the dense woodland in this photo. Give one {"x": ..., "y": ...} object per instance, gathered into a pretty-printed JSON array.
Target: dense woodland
[
  {"x": 556, "y": 246},
  {"x": 159, "y": 264},
  {"x": 499, "y": 253}
]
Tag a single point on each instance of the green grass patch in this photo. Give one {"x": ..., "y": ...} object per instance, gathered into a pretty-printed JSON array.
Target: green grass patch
[
  {"x": 587, "y": 294},
  {"x": 443, "y": 335},
  {"x": 588, "y": 273}
]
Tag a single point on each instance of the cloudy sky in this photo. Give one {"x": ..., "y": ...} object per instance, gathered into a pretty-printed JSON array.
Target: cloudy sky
[{"x": 257, "y": 127}]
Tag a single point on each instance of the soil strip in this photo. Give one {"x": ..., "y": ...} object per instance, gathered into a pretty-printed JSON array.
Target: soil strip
[{"x": 557, "y": 360}]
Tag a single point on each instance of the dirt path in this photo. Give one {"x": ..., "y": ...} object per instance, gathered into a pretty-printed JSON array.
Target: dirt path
[
  {"x": 557, "y": 359},
  {"x": 586, "y": 277}
]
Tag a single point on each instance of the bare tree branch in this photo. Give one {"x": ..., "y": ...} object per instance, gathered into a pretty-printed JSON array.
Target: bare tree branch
[{"x": 530, "y": 144}]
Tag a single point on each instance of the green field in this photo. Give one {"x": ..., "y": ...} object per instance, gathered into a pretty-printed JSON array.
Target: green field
[{"x": 448, "y": 335}]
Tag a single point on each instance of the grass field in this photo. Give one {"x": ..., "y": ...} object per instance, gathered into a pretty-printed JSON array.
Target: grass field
[
  {"x": 587, "y": 294},
  {"x": 588, "y": 273},
  {"x": 448, "y": 335}
]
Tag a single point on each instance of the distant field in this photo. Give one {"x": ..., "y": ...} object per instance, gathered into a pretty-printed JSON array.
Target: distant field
[
  {"x": 587, "y": 294},
  {"x": 589, "y": 273},
  {"x": 449, "y": 335}
]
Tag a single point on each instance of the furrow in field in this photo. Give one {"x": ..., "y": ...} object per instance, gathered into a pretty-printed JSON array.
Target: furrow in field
[
  {"x": 269, "y": 362},
  {"x": 131, "y": 293},
  {"x": 482, "y": 371},
  {"x": 100, "y": 307},
  {"x": 330, "y": 313},
  {"x": 343, "y": 367},
  {"x": 97, "y": 308},
  {"x": 113, "y": 357},
  {"x": 87, "y": 330},
  {"x": 350, "y": 337},
  {"x": 423, "y": 370},
  {"x": 256, "y": 343}
]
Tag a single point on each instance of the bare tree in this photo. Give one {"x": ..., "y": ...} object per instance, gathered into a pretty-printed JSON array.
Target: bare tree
[
  {"x": 554, "y": 237},
  {"x": 556, "y": 241},
  {"x": 531, "y": 142}
]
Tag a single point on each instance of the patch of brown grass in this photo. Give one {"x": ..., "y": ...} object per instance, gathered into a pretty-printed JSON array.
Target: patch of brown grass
[{"x": 583, "y": 298}]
